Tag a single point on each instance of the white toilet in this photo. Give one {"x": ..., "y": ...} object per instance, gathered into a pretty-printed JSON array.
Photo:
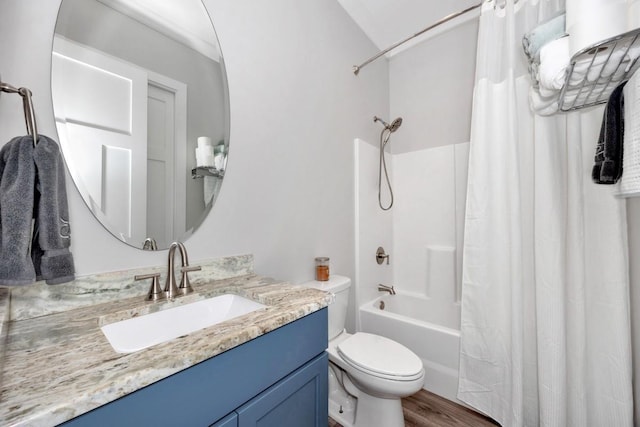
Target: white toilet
[{"x": 368, "y": 374}]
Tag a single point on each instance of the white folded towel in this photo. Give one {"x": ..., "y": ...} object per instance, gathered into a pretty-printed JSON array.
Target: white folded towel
[
  {"x": 543, "y": 105},
  {"x": 602, "y": 66},
  {"x": 554, "y": 60}
]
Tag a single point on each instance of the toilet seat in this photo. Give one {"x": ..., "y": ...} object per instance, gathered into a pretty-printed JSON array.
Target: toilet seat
[{"x": 380, "y": 357}]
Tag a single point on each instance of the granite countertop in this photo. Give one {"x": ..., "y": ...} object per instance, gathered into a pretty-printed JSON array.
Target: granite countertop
[{"x": 58, "y": 366}]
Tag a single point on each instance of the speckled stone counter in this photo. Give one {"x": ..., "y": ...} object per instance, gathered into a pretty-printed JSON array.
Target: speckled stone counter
[
  {"x": 4, "y": 323},
  {"x": 58, "y": 366}
]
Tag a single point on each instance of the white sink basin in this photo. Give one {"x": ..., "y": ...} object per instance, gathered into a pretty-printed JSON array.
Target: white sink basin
[{"x": 137, "y": 333}]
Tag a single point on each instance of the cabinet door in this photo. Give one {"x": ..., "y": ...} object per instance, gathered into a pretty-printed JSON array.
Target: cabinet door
[
  {"x": 299, "y": 400},
  {"x": 230, "y": 420}
]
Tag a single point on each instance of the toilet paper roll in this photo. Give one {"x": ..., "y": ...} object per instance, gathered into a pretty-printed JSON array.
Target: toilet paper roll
[
  {"x": 591, "y": 21},
  {"x": 204, "y": 141},
  {"x": 204, "y": 156}
]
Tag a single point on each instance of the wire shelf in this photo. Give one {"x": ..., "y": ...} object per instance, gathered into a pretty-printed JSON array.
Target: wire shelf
[
  {"x": 202, "y": 171},
  {"x": 594, "y": 72}
]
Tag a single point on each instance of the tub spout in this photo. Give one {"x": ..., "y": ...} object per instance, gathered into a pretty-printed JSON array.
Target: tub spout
[{"x": 385, "y": 288}]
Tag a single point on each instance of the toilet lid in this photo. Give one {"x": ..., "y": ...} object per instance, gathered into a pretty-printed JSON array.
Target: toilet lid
[{"x": 380, "y": 356}]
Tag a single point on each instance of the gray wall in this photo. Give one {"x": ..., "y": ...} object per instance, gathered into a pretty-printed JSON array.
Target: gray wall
[
  {"x": 295, "y": 109},
  {"x": 432, "y": 89}
]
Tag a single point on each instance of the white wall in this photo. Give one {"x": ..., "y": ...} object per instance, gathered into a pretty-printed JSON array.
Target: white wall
[
  {"x": 295, "y": 109},
  {"x": 424, "y": 218},
  {"x": 428, "y": 221},
  {"x": 431, "y": 87},
  {"x": 374, "y": 227},
  {"x": 423, "y": 230}
]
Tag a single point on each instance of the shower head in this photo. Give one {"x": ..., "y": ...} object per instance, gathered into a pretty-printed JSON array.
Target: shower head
[
  {"x": 390, "y": 127},
  {"x": 395, "y": 124}
]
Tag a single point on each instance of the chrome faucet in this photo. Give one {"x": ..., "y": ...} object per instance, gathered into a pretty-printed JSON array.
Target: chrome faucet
[
  {"x": 155, "y": 291},
  {"x": 170, "y": 288},
  {"x": 150, "y": 244},
  {"x": 385, "y": 288}
]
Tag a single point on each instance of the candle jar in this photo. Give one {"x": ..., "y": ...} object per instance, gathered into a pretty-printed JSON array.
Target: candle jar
[{"x": 322, "y": 269}]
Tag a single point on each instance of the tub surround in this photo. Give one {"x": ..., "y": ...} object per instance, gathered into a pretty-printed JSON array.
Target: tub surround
[{"x": 68, "y": 354}]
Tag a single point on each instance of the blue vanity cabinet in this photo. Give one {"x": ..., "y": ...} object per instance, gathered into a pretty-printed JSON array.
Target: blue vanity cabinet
[
  {"x": 278, "y": 379},
  {"x": 230, "y": 420},
  {"x": 298, "y": 400}
]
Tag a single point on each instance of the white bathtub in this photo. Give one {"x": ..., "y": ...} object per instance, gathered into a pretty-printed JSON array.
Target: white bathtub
[{"x": 430, "y": 329}]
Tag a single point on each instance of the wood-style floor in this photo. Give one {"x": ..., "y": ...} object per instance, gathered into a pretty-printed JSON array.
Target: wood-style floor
[{"x": 425, "y": 409}]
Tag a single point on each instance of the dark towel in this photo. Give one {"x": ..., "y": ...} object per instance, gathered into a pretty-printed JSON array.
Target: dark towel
[
  {"x": 52, "y": 259},
  {"x": 17, "y": 180},
  {"x": 608, "y": 159}
]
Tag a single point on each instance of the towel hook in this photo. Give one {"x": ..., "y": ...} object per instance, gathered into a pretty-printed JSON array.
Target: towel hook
[{"x": 27, "y": 105}]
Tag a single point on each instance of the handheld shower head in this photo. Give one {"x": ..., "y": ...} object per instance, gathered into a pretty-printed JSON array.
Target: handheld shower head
[
  {"x": 390, "y": 127},
  {"x": 384, "y": 138},
  {"x": 395, "y": 124}
]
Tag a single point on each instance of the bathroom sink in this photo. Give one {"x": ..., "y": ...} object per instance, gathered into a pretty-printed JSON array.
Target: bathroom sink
[{"x": 137, "y": 333}]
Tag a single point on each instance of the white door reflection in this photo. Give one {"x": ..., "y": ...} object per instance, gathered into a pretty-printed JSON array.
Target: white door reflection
[{"x": 123, "y": 140}]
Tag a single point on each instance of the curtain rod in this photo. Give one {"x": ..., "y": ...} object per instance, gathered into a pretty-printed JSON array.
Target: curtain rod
[{"x": 356, "y": 68}]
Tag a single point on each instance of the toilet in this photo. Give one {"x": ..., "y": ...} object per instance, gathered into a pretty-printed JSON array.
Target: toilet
[{"x": 368, "y": 374}]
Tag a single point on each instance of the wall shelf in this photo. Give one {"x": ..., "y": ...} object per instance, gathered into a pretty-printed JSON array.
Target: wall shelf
[
  {"x": 594, "y": 72},
  {"x": 202, "y": 171}
]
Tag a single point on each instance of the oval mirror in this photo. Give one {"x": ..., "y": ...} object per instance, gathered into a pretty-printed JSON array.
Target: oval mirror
[{"x": 141, "y": 107}]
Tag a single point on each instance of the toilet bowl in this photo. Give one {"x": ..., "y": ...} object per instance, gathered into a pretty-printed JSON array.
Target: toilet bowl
[{"x": 369, "y": 374}]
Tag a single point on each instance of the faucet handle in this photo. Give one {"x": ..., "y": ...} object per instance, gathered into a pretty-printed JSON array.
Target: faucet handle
[
  {"x": 381, "y": 255},
  {"x": 185, "y": 286},
  {"x": 155, "y": 291}
]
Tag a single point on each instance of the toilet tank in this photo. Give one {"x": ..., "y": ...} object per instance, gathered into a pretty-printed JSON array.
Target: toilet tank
[{"x": 339, "y": 286}]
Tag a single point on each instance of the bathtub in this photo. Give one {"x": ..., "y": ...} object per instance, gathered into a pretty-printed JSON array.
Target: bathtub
[{"x": 430, "y": 329}]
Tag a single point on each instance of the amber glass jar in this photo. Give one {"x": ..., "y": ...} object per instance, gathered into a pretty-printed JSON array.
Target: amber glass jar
[{"x": 322, "y": 269}]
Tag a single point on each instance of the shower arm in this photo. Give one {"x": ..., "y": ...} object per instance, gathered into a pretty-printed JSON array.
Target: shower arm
[{"x": 356, "y": 68}]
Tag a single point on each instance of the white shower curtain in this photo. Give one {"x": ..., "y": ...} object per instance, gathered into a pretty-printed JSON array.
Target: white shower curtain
[{"x": 545, "y": 333}]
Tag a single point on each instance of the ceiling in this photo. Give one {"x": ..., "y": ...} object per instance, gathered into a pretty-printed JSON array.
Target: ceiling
[
  {"x": 386, "y": 22},
  {"x": 185, "y": 21}
]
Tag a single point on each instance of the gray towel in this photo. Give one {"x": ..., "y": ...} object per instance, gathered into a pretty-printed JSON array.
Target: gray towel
[
  {"x": 52, "y": 259},
  {"x": 17, "y": 181}
]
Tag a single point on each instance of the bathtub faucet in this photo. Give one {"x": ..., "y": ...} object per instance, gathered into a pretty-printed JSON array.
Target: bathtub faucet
[{"x": 385, "y": 288}]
